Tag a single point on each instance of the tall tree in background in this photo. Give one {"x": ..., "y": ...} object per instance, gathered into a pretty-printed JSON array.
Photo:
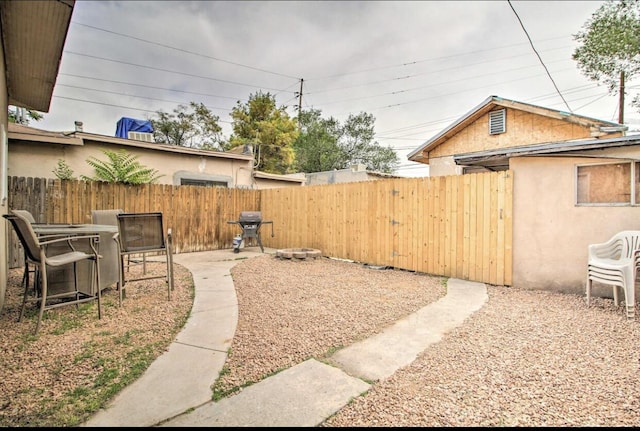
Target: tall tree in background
[
  {"x": 269, "y": 129},
  {"x": 191, "y": 126},
  {"x": 317, "y": 148},
  {"x": 325, "y": 144},
  {"x": 610, "y": 47}
]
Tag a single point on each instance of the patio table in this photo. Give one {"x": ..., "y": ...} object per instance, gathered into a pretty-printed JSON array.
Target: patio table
[{"x": 61, "y": 279}]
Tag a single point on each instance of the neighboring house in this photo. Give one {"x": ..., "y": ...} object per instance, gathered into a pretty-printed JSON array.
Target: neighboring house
[
  {"x": 354, "y": 173},
  {"x": 499, "y": 123},
  {"x": 35, "y": 153},
  {"x": 576, "y": 181}
]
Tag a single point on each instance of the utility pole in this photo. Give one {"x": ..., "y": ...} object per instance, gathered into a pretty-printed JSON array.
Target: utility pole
[
  {"x": 621, "y": 99},
  {"x": 300, "y": 101}
]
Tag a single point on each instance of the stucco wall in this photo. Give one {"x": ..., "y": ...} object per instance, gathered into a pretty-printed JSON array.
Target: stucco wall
[
  {"x": 551, "y": 233},
  {"x": 39, "y": 160}
]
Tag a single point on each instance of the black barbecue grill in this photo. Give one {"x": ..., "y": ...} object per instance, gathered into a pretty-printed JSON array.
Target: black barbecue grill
[{"x": 250, "y": 223}]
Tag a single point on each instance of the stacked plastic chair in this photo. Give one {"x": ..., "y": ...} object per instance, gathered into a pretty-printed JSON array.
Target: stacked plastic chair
[{"x": 615, "y": 263}]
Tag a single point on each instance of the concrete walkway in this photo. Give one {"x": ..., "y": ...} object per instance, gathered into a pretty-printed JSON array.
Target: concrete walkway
[{"x": 176, "y": 389}]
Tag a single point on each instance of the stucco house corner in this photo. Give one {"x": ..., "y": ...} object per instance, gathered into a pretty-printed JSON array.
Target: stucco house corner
[{"x": 576, "y": 181}]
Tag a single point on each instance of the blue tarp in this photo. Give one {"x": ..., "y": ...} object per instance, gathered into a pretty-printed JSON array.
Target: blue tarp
[{"x": 126, "y": 125}]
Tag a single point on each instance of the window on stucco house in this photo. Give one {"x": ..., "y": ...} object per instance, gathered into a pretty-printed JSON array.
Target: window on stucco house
[{"x": 608, "y": 184}]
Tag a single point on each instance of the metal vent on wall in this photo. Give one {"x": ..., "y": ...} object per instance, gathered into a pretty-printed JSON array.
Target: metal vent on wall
[
  {"x": 141, "y": 136},
  {"x": 497, "y": 121}
]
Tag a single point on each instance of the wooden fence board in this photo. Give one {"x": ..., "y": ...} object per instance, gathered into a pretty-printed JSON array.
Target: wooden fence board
[{"x": 473, "y": 224}]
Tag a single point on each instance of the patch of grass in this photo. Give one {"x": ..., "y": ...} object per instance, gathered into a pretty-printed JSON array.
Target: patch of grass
[
  {"x": 79, "y": 403},
  {"x": 224, "y": 371},
  {"x": 331, "y": 351},
  {"x": 66, "y": 325},
  {"x": 106, "y": 377},
  {"x": 103, "y": 358},
  {"x": 124, "y": 339}
]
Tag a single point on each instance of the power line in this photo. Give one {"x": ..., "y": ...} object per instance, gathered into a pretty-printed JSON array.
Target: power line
[
  {"x": 118, "y": 106},
  {"x": 146, "y": 86},
  {"x": 456, "y": 68},
  {"x": 539, "y": 58},
  {"x": 182, "y": 50},
  {"x": 409, "y": 63},
  {"x": 134, "y": 95},
  {"x": 438, "y": 96},
  {"x": 435, "y": 85},
  {"x": 307, "y": 93},
  {"x": 169, "y": 71}
]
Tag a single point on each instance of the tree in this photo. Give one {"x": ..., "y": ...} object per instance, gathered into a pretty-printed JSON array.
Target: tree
[
  {"x": 193, "y": 126},
  {"x": 22, "y": 115},
  {"x": 316, "y": 147},
  {"x": 121, "y": 167},
  {"x": 325, "y": 144},
  {"x": 269, "y": 129},
  {"x": 610, "y": 47}
]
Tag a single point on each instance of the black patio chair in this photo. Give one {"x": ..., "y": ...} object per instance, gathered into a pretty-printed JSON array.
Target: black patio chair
[
  {"x": 143, "y": 233},
  {"x": 38, "y": 252}
]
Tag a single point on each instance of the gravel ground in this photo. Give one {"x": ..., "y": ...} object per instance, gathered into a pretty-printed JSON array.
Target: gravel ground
[
  {"x": 291, "y": 310},
  {"x": 527, "y": 358}
]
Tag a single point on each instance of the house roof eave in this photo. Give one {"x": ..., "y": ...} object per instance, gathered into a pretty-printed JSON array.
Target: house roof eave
[
  {"x": 42, "y": 26},
  {"x": 17, "y": 132},
  {"x": 550, "y": 148},
  {"x": 160, "y": 146}
]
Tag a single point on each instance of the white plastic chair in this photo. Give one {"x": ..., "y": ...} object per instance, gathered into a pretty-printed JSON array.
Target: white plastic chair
[{"x": 615, "y": 262}]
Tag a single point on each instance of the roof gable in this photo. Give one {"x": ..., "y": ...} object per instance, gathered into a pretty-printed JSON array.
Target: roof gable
[{"x": 494, "y": 102}]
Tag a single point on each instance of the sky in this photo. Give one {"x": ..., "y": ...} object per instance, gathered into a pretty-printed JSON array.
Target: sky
[{"x": 416, "y": 66}]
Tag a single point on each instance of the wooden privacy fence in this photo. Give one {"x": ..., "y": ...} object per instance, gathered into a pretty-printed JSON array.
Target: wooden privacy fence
[
  {"x": 456, "y": 226},
  {"x": 196, "y": 215}
]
